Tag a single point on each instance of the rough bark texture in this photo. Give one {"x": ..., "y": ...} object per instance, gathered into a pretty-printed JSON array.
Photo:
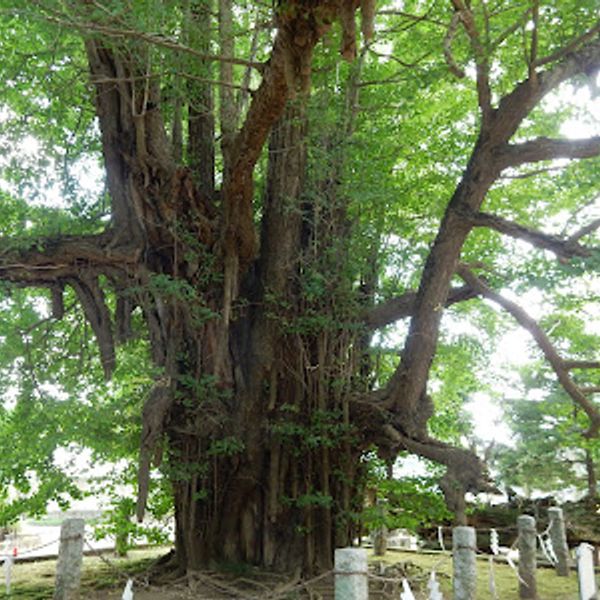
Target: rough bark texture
[{"x": 261, "y": 409}]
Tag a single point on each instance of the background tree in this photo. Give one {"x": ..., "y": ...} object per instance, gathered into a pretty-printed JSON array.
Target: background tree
[{"x": 259, "y": 276}]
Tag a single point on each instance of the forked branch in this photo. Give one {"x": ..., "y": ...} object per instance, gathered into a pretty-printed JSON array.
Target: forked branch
[{"x": 556, "y": 362}]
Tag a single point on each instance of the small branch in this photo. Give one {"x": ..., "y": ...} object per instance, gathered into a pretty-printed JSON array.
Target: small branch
[
  {"x": 570, "y": 47},
  {"x": 182, "y": 74},
  {"x": 510, "y": 30},
  {"x": 590, "y": 228},
  {"x": 416, "y": 18},
  {"x": 595, "y": 389},
  {"x": 535, "y": 13},
  {"x": 543, "y": 148},
  {"x": 402, "y": 307},
  {"x": 562, "y": 248},
  {"x": 152, "y": 38},
  {"x": 455, "y": 69},
  {"x": 532, "y": 173},
  {"x": 481, "y": 60},
  {"x": 544, "y": 344},
  {"x": 398, "y": 60}
]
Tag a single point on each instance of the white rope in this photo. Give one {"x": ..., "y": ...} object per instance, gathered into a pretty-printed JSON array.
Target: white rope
[
  {"x": 36, "y": 548},
  {"x": 547, "y": 548}
]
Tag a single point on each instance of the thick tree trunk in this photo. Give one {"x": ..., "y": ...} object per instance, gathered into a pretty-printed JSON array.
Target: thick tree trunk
[{"x": 266, "y": 466}]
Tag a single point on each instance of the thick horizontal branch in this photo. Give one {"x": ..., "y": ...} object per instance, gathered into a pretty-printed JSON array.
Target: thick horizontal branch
[
  {"x": 464, "y": 466},
  {"x": 514, "y": 155},
  {"x": 49, "y": 259},
  {"x": 562, "y": 248},
  {"x": 545, "y": 345},
  {"x": 581, "y": 364},
  {"x": 593, "y": 389},
  {"x": 402, "y": 306}
]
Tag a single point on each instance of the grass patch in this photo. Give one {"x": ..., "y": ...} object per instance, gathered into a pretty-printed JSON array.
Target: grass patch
[
  {"x": 549, "y": 585},
  {"x": 35, "y": 580}
]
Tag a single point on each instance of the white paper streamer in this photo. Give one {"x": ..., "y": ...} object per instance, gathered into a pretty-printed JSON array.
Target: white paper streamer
[
  {"x": 8, "y": 564},
  {"x": 441, "y": 538},
  {"x": 128, "y": 591},
  {"x": 433, "y": 587},
  {"x": 494, "y": 542},
  {"x": 406, "y": 593}
]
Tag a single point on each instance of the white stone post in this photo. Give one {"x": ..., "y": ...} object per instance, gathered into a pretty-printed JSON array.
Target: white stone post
[
  {"x": 527, "y": 557},
  {"x": 351, "y": 582},
  {"x": 588, "y": 590},
  {"x": 70, "y": 555},
  {"x": 463, "y": 559},
  {"x": 558, "y": 537}
]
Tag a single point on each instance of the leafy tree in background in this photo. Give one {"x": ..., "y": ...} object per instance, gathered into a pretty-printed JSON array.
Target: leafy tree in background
[
  {"x": 259, "y": 226},
  {"x": 550, "y": 453}
]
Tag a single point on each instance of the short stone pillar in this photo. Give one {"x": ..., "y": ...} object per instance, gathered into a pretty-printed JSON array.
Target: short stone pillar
[
  {"x": 464, "y": 566},
  {"x": 527, "y": 545},
  {"x": 70, "y": 555},
  {"x": 380, "y": 533},
  {"x": 558, "y": 537},
  {"x": 588, "y": 590},
  {"x": 351, "y": 581}
]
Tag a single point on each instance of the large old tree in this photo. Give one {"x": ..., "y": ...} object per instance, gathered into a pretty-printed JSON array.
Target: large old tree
[{"x": 260, "y": 301}]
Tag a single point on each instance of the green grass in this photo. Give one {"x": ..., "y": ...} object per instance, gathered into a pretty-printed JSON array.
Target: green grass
[
  {"x": 549, "y": 585},
  {"x": 35, "y": 581}
]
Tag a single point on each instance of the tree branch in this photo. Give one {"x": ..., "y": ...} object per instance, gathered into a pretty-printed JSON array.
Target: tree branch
[
  {"x": 570, "y": 47},
  {"x": 403, "y": 306},
  {"x": 92, "y": 299},
  {"x": 590, "y": 228},
  {"x": 481, "y": 60},
  {"x": 592, "y": 389},
  {"x": 581, "y": 364},
  {"x": 543, "y": 148},
  {"x": 455, "y": 69},
  {"x": 151, "y": 38},
  {"x": 516, "y": 105},
  {"x": 545, "y": 345},
  {"x": 562, "y": 248},
  {"x": 50, "y": 259}
]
